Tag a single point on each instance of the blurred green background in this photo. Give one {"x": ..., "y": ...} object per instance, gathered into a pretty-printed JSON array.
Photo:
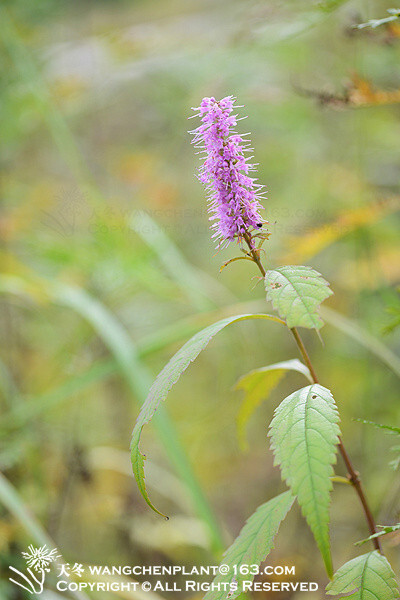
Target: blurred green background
[{"x": 108, "y": 267}]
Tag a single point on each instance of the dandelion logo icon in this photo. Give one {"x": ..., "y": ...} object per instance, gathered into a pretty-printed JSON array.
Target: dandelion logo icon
[{"x": 38, "y": 562}]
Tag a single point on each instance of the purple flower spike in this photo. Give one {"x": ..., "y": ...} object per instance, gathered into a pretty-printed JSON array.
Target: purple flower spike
[{"x": 233, "y": 195}]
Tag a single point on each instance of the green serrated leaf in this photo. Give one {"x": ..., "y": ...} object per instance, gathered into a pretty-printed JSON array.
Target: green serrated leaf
[
  {"x": 384, "y": 530},
  {"x": 304, "y": 433},
  {"x": 390, "y": 428},
  {"x": 296, "y": 293},
  {"x": 367, "y": 577},
  {"x": 257, "y": 385},
  {"x": 164, "y": 382},
  {"x": 251, "y": 547}
]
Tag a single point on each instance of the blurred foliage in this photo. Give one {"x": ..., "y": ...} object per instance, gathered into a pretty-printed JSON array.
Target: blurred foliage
[{"x": 99, "y": 197}]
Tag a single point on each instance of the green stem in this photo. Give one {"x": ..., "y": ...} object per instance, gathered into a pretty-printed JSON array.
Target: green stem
[{"x": 139, "y": 380}]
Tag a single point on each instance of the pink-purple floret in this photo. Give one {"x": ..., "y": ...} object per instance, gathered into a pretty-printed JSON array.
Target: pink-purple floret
[{"x": 233, "y": 195}]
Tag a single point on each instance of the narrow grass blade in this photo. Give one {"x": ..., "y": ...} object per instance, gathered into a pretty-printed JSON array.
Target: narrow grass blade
[
  {"x": 139, "y": 381},
  {"x": 363, "y": 337},
  {"x": 10, "y": 498}
]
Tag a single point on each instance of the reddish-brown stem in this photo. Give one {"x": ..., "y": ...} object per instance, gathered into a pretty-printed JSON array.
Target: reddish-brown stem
[
  {"x": 353, "y": 475},
  {"x": 304, "y": 354}
]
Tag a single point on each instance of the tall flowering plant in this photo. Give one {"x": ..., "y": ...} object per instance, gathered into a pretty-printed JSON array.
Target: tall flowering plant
[{"x": 304, "y": 432}]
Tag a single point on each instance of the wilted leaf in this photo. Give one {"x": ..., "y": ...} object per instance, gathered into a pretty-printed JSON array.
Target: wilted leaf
[{"x": 257, "y": 385}]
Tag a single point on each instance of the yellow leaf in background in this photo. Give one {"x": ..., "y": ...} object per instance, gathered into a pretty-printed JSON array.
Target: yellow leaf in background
[
  {"x": 310, "y": 244},
  {"x": 358, "y": 92},
  {"x": 357, "y": 274},
  {"x": 362, "y": 93},
  {"x": 393, "y": 29}
]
